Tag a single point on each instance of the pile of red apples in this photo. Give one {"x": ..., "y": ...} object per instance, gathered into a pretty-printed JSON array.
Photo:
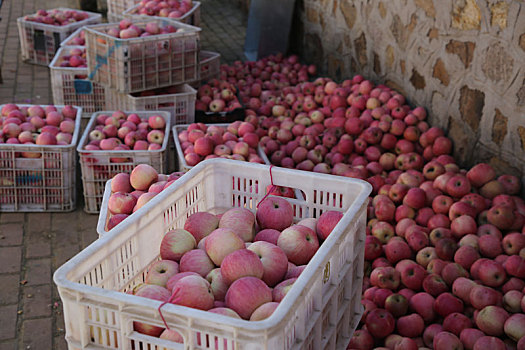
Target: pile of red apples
[
  {"x": 217, "y": 96},
  {"x": 76, "y": 58},
  {"x": 122, "y": 132},
  {"x": 235, "y": 263},
  {"x": 127, "y": 30},
  {"x": 237, "y": 141},
  {"x": 130, "y": 191},
  {"x": 445, "y": 251},
  {"x": 77, "y": 40},
  {"x": 57, "y": 17},
  {"x": 37, "y": 125},
  {"x": 164, "y": 8}
]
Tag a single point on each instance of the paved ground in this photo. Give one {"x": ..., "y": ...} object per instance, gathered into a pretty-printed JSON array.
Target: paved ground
[{"x": 32, "y": 246}]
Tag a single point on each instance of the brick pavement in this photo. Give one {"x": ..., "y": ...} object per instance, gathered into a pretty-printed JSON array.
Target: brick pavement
[{"x": 33, "y": 245}]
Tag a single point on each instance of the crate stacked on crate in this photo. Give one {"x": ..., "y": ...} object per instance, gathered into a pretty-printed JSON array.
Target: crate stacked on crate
[
  {"x": 116, "y": 8},
  {"x": 70, "y": 83},
  {"x": 110, "y": 145},
  {"x": 185, "y": 12},
  {"x": 78, "y": 38},
  {"x": 178, "y": 100},
  {"x": 320, "y": 311},
  {"x": 118, "y": 58},
  {"x": 146, "y": 71},
  {"x": 41, "y": 34},
  {"x": 210, "y": 67},
  {"x": 37, "y": 158}
]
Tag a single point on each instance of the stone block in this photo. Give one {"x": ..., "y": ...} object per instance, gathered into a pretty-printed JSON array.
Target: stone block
[
  {"x": 466, "y": 15},
  {"x": 417, "y": 80},
  {"x": 471, "y": 103},
  {"x": 464, "y": 50},
  {"x": 498, "y": 64},
  {"x": 499, "y": 127},
  {"x": 440, "y": 72}
]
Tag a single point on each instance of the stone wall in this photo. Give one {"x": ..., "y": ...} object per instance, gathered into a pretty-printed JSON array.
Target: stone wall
[{"x": 464, "y": 60}]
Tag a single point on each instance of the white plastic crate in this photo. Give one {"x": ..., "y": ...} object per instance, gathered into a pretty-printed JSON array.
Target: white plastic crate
[
  {"x": 182, "y": 165},
  {"x": 210, "y": 65},
  {"x": 99, "y": 166},
  {"x": 144, "y": 63},
  {"x": 105, "y": 215},
  {"x": 192, "y": 17},
  {"x": 71, "y": 87},
  {"x": 39, "y": 42},
  {"x": 44, "y": 184},
  {"x": 320, "y": 311},
  {"x": 69, "y": 40},
  {"x": 180, "y": 104},
  {"x": 116, "y": 9}
]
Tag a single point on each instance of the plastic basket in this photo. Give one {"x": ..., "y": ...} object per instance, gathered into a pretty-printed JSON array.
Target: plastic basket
[
  {"x": 210, "y": 65},
  {"x": 39, "y": 42},
  {"x": 320, "y": 311},
  {"x": 192, "y": 17},
  {"x": 182, "y": 165},
  {"x": 44, "y": 184},
  {"x": 68, "y": 41},
  {"x": 138, "y": 64},
  {"x": 100, "y": 166},
  {"x": 71, "y": 87},
  {"x": 116, "y": 8},
  {"x": 181, "y": 104}
]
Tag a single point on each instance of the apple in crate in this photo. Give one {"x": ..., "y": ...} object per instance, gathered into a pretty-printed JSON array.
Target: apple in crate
[
  {"x": 154, "y": 292},
  {"x": 161, "y": 271},
  {"x": 219, "y": 285},
  {"x": 142, "y": 176},
  {"x": 241, "y": 221},
  {"x": 268, "y": 235},
  {"x": 274, "y": 260},
  {"x": 241, "y": 263},
  {"x": 172, "y": 335},
  {"x": 225, "y": 312},
  {"x": 326, "y": 223},
  {"x": 275, "y": 213},
  {"x": 175, "y": 278},
  {"x": 121, "y": 203},
  {"x": 299, "y": 243},
  {"x": 281, "y": 289},
  {"x": 246, "y": 294},
  {"x": 175, "y": 244},
  {"x": 196, "y": 260},
  {"x": 221, "y": 242},
  {"x": 264, "y": 311},
  {"x": 201, "y": 224},
  {"x": 193, "y": 291}
]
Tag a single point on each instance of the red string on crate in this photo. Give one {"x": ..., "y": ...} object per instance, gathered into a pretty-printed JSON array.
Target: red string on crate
[
  {"x": 170, "y": 300},
  {"x": 271, "y": 188}
]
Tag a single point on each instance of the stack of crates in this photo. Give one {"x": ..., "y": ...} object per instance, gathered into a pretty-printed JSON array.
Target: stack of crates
[
  {"x": 149, "y": 72},
  {"x": 39, "y": 41}
]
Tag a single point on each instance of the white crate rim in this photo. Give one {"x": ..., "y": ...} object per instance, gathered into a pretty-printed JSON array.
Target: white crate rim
[
  {"x": 189, "y": 30},
  {"x": 61, "y": 280},
  {"x": 185, "y": 89},
  {"x": 69, "y": 38},
  {"x": 92, "y": 15},
  {"x": 74, "y": 139},
  {"x": 130, "y": 12},
  {"x": 91, "y": 125},
  {"x": 209, "y": 55}
]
